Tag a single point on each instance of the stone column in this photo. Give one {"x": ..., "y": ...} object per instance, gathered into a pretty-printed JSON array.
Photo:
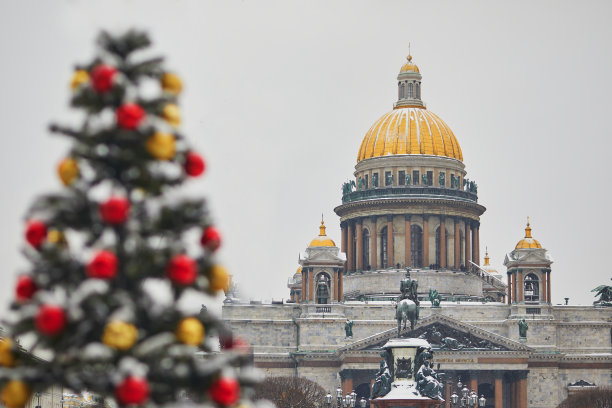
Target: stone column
[
  {"x": 442, "y": 243},
  {"x": 474, "y": 382},
  {"x": 476, "y": 243},
  {"x": 499, "y": 392},
  {"x": 407, "y": 248},
  {"x": 543, "y": 291},
  {"x": 457, "y": 244},
  {"x": 304, "y": 282},
  {"x": 373, "y": 250},
  {"x": 548, "y": 287},
  {"x": 334, "y": 293},
  {"x": 447, "y": 393},
  {"x": 519, "y": 286},
  {"x": 522, "y": 390},
  {"x": 468, "y": 249},
  {"x": 425, "y": 241},
  {"x": 347, "y": 384},
  {"x": 349, "y": 248},
  {"x": 312, "y": 286},
  {"x": 340, "y": 286},
  {"x": 390, "y": 259},
  {"x": 509, "y": 288},
  {"x": 343, "y": 236},
  {"x": 359, "y": 252}
]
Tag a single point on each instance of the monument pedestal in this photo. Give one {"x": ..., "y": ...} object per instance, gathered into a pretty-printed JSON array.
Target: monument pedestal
[{"x": 414, "y": 384}]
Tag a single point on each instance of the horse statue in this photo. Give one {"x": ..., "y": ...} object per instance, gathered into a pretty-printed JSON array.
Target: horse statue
[{"x": 405, "y": 310}]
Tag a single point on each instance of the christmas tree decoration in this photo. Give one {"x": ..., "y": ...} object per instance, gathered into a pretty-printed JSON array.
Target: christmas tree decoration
[
  {"x": 36, "y": 232},
  {"x": 211, "y": 238},
  {"x": 171, "y": 83},
  {"x": 219, "y": 278},
  {"x": 68, "y": 171},
  {"x": 132, "y": 391},
  {"x": 109, "y": 313},
  {"x": 50, "y": 320},
  {"x": 7, "y": 359},
  {"x": 57, "y": 238},
  {"x": 162, "y": 146},
  {"x": 190, "y": 331},
  {"x": 115, "y": 210},
  {"x": 194, "y": 164},
  {"x": 103, "y": 265},
  {"x": 172, "y": 114},
  {"x": 25, "y": 288},
  {"x": 182, "y": 270},
  {"x": 15, "y": 394},
  {"x": 79, "y": 78},
  {"x": 225, "y": 391},
  {"x": 120, "y": 335},
  {"x": 130, "y": 115},
  {"x": 102, "y": 77}
]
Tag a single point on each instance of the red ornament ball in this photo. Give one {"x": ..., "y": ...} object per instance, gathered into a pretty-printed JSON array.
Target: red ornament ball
[
  {"x": 115, "y": 210},
  {"x": 225, "y": 391},
  {"x": 211, "y": 238},
  {"x": 182, "y": 270},
  {"x": 133, "y": 390},
  {"x": 25, "y": 288},
  {"x": 194, "y": 164},
  {"x": 103, "y": 265},
  {"x": 50, "y": 320},
  {"x": 36, "y": 232},
  {"x": 129, "y": 116},
  {"x": 102, "y": 77}
]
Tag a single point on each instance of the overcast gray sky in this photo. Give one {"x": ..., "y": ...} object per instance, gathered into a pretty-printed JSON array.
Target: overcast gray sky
[{"x": 279, "y": 95}]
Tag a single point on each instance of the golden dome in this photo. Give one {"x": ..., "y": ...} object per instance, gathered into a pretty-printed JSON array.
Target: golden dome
[
  {"x": 322, "y": 240},
  {"x": 409, "y": 66},
  {"x": 409, "y": 130},
  {"x": 299, "y": 270},
  {"x": 528, "y": 241}
]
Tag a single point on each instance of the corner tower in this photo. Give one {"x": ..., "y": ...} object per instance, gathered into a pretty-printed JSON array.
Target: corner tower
[{"x": 410, "y": 203}]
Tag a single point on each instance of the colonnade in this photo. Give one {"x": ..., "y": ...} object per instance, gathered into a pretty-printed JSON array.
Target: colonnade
[
  {"x": 516, "y": 284},
  {"x": 370, "y": 242}
]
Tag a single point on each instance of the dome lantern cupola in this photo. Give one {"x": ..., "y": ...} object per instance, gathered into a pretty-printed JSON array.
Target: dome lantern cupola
[
  {"x": 528, "y": 241},
  {"x": 409, "y": 86}
]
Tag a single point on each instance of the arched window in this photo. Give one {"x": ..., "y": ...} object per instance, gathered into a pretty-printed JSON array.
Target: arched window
[
  {"x": 383, "y": 248},
  {"x": 366, "y": 249},
  {"x": 416, "y": 245},
  {"x": 409, "y": 90},
  {"x": 402, "y": 89},
  {"x": 438, "y": 248},
  {"x": 323, "y": 288},
  {"x": 418, "y": 90},
  {"x": 532, "y": 288}
]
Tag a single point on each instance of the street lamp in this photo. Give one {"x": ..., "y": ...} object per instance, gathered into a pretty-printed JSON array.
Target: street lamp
[
  {"x": 339, "y": 397},
  {"x": 362, "y": 403},
  {"x": 468, "y": 399},
  {"x": 328, "y": 400},
  {"x": 353, "y": 399}
]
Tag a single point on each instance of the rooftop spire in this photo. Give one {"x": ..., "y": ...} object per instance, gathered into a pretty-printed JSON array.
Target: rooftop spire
[
  {"x": 528, "y": 229},
  {"x": 322, "y": 228},
  {"x": 486, "y": 258}
]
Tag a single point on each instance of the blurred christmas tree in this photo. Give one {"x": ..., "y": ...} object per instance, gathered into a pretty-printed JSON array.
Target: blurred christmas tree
[{"x": 112, "y": 262}]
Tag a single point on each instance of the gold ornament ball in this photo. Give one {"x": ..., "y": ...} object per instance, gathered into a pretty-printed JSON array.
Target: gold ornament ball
[
  {"x": 120, "y": 335},
  {"x": 15, "y": 394},
  {"x": 6, "y": 355},
  {"x": 171, "y": 83},
  {"x": 68, "y": 171},
  {"x": 219, "y": 278},
  {"x": 162, "y": 146},
  {"x": 171, "y": 114},
  {"x": 57, "y": 237},
  {"x": 190, "y": 331},
  {"x": 79, "y": 78}
]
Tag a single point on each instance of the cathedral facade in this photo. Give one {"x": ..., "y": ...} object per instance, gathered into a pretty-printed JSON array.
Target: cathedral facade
[{"x": 410, "y": 212}]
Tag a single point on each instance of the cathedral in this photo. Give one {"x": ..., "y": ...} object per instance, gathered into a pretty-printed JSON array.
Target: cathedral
[{"x": 411, "y": 214}]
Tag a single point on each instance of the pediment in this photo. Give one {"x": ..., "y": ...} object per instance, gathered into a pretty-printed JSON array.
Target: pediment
[
  {"x": 444, "y": 333},
  {"x": 321, "y": 256},
  {"x": 538, "y": 256}
]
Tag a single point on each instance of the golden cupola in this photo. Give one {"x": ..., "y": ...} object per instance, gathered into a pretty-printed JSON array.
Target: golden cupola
[
  {"x": 528, "y": 241},
  {"x": 322, "y": 240},
  {"x": 409, "y": 129}
]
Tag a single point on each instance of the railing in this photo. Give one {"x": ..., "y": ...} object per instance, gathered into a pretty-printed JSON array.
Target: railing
[
  {"x": 412, "y": 191},
  {"x": 323, "y": 309}
]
